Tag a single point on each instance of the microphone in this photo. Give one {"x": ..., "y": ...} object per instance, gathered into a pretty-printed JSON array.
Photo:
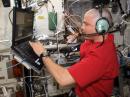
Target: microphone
[{"x": 89, "y": 35}]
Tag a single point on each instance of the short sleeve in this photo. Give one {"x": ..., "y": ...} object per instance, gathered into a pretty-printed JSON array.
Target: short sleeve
[{"x": 88, "y": 70}]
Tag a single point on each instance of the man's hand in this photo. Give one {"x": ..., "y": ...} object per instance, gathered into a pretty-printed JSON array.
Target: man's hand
[{"x": 37, "y": 47}]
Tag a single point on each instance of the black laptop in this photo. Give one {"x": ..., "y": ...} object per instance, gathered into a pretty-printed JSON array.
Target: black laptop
[{"x": 21, "y": 34}]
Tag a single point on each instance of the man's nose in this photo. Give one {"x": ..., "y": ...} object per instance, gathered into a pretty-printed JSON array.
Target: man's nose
[{"x": 81, "y": 30}]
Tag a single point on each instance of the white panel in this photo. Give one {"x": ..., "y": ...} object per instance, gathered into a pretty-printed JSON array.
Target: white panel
[{"x": 5, "y": 28}]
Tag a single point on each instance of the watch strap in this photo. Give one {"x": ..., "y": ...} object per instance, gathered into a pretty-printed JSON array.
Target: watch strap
[{"x": 44, "y": 54}]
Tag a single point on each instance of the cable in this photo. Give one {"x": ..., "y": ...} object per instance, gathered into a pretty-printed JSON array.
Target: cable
[
  {"x": 73, "y": 3},
  {"x": 46, "y": 78},
  {"x": 45, "y": 91},
  {"x": 72, "y": 20},
  {"x": 27, "y": 86},
  {"x": 41, "y": 3},
  {"x": 52, "y": 18},
  {"x": 39, "y": 8},
  {"x": 125, "y": 52},
  {"x": 37, "y": 77},
  {"x": 16, "y": 83},
  {"x": 53, "y": 7},
  {"x": 10, "y": 67},
  {"x": 69, "y": 16},
  {"x": 120, "y": 6},
  {"x": 31, "y": 86},
  {"x": 9, "y": 16},
  {"x": 2, "y": 42}
]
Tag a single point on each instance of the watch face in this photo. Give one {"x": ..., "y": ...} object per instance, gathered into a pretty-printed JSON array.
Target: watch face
[{"x": 45, "y": 53}]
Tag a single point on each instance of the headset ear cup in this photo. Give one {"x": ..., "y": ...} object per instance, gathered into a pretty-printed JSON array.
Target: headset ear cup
[{"x": 102, "y": 26}]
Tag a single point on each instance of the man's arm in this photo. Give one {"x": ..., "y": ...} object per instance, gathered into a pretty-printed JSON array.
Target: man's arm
[{"x": 61, "y": 74}]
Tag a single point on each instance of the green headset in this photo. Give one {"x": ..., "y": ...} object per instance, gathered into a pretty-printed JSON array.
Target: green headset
[{"x": 102, "y": 24}]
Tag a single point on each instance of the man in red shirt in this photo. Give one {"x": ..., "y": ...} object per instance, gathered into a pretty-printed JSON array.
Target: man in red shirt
[{"x": 94, "y": 74}]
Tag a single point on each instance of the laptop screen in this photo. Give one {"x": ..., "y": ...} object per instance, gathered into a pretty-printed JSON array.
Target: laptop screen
[
  {"x": 22, "y": 25},
  {"x": 23, "y": 32}
]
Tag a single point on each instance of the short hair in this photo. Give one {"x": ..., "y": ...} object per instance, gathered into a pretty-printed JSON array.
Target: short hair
[{"x": 96, "y": 15}]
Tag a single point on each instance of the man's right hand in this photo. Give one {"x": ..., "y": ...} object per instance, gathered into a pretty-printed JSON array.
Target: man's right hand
[{"x": 37, "y": 47}]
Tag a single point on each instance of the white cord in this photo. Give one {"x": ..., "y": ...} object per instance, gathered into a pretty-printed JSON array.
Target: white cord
[
  {"x": 72, "y": 21},
  {"x": 5, "y": 42},
  {"x": 17, "y": 82},
  {"x": 38, "y": 77},
  {"x": 45, "y": 90},
  {"x": 69, "y": 16},
  {"x": 9, "y": 67},
  {"x": 73, "y": 3},
  {"x": 125, "y": 52},
  {"x": 1, "y": 41}
]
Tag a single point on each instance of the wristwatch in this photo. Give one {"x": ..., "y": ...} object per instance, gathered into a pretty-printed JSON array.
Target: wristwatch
[{"x": 44, "y": 54}]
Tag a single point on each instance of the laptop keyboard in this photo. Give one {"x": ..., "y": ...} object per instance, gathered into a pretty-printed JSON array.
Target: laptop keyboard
[{"x": 27, "y": 52}]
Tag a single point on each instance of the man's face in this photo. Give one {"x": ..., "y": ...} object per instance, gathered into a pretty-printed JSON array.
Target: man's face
[{"x": 88, "y": 25}]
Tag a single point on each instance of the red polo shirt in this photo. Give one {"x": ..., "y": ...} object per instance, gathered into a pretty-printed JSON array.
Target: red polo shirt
[{"x": 95, "y": 72}]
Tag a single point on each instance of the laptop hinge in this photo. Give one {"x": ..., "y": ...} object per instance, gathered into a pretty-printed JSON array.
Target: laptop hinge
[{"x": 21, "y": 61}]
